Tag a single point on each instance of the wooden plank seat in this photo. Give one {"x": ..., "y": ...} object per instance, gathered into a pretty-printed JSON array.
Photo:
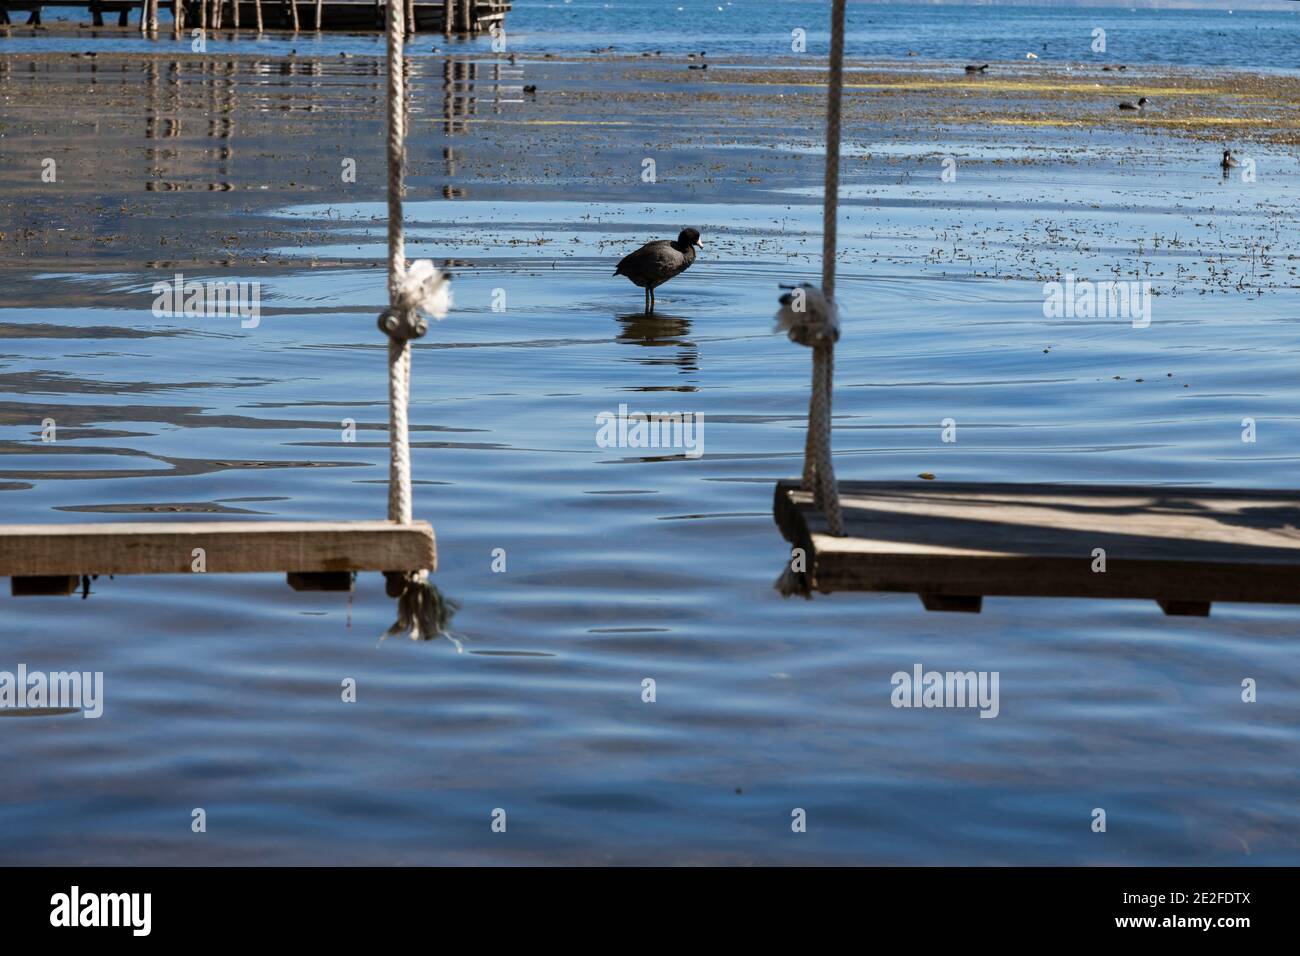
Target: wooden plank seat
[
  {"x": 315, "y": 555},
  {"x": 954, "y": 544}
]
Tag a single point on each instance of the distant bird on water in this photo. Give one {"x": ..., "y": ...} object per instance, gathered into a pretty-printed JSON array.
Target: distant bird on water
[
  {"x": 1141, "y": 105},
  {"x": 1229, "y": 161},
  {"x": 656, "y": 262},
  {"x": 971, "y": 68}
]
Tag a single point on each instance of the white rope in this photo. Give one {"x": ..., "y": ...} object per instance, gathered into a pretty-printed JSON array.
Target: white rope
[
  {"x": 399, "y": 350},
  {"x": 422, "y": 612},
  {"x": 809, "y": 316}
]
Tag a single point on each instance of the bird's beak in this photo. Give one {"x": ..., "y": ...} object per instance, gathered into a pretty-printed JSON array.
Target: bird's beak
[{"x": 698, "y": 245}]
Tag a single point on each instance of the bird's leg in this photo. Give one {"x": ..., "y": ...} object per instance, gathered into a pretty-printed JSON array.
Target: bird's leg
[
  {"x": 647, "y": 300},
  {"x": 652, "y": 300}
]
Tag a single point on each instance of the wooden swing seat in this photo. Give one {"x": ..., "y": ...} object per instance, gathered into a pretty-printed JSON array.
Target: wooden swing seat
[
  {"x": 315, "y": 555},
  {"x": 954, "y": 544}
]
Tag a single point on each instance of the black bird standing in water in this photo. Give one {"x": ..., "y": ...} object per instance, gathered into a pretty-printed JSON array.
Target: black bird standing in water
[{"x": 656, "y": 262}]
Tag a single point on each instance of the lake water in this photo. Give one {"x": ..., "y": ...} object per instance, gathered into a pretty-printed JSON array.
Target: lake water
[
  {"x": 223, "y": 692},
  {"x": 1267, "y": 39}
]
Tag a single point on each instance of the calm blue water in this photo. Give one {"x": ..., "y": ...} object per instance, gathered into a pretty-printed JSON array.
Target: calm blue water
[
  {"x": 1210, "y": 37},
  {"x": 223, "y": 692}
]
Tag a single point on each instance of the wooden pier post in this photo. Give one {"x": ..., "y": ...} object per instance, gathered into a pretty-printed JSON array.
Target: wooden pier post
[
  {"x": 178, "y": 18},
  {"x": 234, "y": 11},
  {"x": 319, "y": 6},
  {"x": 293, "y": 7},
  {"x": 257, "y": 8}
]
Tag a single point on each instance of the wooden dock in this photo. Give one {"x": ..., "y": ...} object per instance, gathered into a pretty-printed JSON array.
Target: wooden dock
[
  {"x": 429, "y": 16},
  {"x": 953, "y": 544},
  {"x": 316, "y": 555}
]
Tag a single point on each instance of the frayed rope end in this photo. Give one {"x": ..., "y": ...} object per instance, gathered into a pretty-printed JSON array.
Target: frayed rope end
[
  {"x": 423, "y": 612},
  {"x": 422, "y": 286},
  {"x": 806, "y": 317}
]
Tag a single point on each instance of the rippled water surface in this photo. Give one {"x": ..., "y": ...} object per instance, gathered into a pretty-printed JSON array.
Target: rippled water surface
[
  {"x": 1214, "y": 36},
  {"x": 223, "y": 692}
]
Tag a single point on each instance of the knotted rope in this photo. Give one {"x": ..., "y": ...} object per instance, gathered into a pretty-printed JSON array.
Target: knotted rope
[
  {"x": 809, "y": 317},
  {"x": 422, "y": 611}
]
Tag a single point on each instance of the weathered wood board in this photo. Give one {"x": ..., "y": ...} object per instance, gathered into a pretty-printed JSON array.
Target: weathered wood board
[
  {"x": 300, "y": 547},
  {"x": 954, "y": 544}
]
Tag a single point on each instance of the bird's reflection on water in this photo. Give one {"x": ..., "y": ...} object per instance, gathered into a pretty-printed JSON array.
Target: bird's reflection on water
[{"x": 661, "y": 331}]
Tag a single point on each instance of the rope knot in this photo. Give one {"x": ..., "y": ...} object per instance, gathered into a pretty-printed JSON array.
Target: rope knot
[
  {"x": 420, "y": 287},
  {"x": 807, "y": 318}
]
